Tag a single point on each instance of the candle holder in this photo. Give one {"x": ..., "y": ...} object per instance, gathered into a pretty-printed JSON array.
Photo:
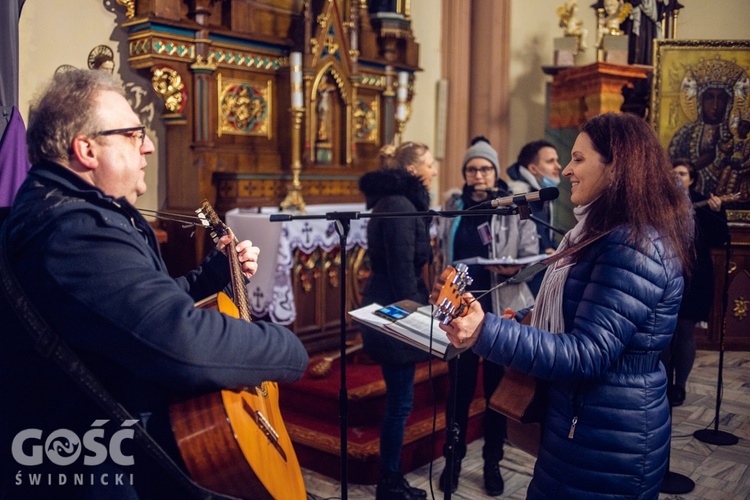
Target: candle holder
[
  {"x": 294, "y": 190},
  {"x": 400, "y": 126},
  {"x": 402, "y": 111}
]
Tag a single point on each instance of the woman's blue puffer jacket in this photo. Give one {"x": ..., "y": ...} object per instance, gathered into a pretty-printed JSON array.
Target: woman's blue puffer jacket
[{"x": 620, "y": 307}]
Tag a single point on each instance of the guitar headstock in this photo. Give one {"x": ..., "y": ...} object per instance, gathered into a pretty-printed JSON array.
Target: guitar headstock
[
  {"x": 211, "y": 221},
  {"x": 447, "y": 291},
  {"x": 731, "y": 197}
]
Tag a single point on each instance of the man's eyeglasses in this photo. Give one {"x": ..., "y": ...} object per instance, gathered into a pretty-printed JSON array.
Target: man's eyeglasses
[
  {"x": 139, "y": 133},
  {"x": 480, "y": 170}
]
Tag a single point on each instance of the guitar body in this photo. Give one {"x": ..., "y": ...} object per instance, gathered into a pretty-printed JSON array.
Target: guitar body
[
  {"x": 522, "y": 399},
  {"x": 234, "y": 441}
]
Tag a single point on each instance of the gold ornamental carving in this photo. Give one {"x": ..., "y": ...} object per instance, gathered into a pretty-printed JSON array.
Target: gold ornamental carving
[
  {"x": 203, "y": 65},
  {"x": 245, "y": 108},
  {"x": 167, "y": 82},
  {"x": 307, "y": 268},
  {"x": 741, "y": 307},
  {"x": 332, "y": 266},
  {"x": 129, "y": 7}
]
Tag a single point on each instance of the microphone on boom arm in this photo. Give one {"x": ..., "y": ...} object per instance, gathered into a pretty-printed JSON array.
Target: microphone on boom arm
[
  {"x": 544, "y": 194},
  {"x": 521, "y": 201}
]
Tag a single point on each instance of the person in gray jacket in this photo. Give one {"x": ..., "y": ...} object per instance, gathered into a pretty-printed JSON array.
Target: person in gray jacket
[
  {"x": 89, "y": 263},
  {"x": 604, "y": 313},
  {"x": 492, "y": 236}
]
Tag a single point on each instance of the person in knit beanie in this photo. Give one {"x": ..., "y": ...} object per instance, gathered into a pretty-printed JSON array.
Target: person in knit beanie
[
  {"x": 481, "y": 148},
  {"x": 489, "y": 236}
]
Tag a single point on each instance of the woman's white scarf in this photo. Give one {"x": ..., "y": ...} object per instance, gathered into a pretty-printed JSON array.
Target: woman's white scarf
[{"x": 548, "y": 309}]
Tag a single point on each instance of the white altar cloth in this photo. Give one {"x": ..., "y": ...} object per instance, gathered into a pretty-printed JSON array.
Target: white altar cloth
[{"x": 270, "y": 290}]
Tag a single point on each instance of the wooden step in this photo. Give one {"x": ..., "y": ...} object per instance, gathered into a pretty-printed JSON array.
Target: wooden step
[{"x": 311, "y": 413}]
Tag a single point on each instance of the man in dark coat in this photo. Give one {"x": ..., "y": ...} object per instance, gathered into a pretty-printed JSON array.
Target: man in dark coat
[{"x": 89, "y": 263}]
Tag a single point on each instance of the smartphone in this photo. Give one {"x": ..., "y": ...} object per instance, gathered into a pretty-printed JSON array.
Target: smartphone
[{"x": 392, "y": 312}]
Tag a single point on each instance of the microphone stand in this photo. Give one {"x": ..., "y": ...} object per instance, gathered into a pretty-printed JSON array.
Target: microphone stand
[
  {"x": 547, "y": 224},
  {"x": 716, "y": 436},
  {"x": 343, "y": 224}
]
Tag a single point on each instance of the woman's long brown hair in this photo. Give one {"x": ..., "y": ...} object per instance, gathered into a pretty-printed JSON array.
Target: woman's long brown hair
[{"x": 644, "y": 191}]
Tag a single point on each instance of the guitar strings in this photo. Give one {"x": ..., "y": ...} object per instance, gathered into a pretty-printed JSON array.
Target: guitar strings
[{"x": 185, "y": 220}]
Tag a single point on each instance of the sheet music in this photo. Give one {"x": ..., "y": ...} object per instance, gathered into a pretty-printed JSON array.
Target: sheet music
[{"x": 418, "y": 329}]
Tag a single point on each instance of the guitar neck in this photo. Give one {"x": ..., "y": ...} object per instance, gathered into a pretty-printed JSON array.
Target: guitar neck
[
  {"x": 211, "y": 220},
  {"x": 239, "y": 291},
  {"x": 723, "y": 198}
]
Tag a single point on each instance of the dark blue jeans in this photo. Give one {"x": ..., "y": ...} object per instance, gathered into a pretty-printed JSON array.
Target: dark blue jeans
[{"x": 399, "y": 390}]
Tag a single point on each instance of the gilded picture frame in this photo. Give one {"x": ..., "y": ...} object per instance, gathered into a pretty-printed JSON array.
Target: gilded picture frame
[{"x": 700, "y": 109}]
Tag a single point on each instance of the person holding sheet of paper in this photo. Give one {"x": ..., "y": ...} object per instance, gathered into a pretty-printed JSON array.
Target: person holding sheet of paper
[{"x": 489, "y": 236}]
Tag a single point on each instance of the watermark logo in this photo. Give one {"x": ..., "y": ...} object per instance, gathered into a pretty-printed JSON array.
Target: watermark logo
[{"x": 64, "y": 447}]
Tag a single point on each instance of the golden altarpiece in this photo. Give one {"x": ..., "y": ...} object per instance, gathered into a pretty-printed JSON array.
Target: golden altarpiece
[{"x": 273, "y": 103}]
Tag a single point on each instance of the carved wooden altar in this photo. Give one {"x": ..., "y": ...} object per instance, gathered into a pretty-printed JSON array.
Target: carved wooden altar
[{"x": 237, "y": 133}]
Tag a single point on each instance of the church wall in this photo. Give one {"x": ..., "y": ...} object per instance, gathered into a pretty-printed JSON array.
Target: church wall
[
  {"x": 534, "y": 25},
  {"x": 426, "y": 22},
  {"x": 56, "y": 32}
]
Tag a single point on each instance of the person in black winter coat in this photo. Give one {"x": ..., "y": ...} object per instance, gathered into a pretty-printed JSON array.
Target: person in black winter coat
[
  {"x": 711, "y": 230},
  {"x": 398, "y": 248}
]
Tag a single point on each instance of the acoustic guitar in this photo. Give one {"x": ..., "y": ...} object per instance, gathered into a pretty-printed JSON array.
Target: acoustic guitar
[
  {"x": 519, "y": 397},
  {"x": 235, "y": 441}
]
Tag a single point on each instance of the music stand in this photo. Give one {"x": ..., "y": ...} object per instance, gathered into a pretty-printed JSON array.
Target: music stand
[{"x": 343, "y": 223}]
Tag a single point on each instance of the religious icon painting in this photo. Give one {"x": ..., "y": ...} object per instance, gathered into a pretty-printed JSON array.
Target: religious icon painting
[
  {"x": 366, "y": 119},
  {"x": 244, "y": 107},
  {"x": 701, "y": 111}
]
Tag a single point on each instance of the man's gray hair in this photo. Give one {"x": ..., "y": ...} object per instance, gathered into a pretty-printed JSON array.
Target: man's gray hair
[{"x": 64, "y": 109}]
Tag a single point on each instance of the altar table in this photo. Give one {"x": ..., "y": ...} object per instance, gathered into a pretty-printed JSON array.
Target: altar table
[{"x": 271, "y": 290}]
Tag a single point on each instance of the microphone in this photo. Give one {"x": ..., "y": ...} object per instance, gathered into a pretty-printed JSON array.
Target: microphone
[{"x": 544, "y": 194}]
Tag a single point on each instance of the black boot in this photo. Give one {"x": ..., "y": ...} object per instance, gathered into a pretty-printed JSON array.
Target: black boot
[
  {"x": 395, "y": 487},
  {"x": 675, "y": 395},
  {"x": 493, "y": 481}
]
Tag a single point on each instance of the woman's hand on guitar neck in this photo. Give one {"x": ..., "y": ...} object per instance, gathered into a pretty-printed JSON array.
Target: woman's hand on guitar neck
[
  {"x": 246, "y": 253},
  {"x": 714, "y": 202},
  {"x": 464, "y": 330}
]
